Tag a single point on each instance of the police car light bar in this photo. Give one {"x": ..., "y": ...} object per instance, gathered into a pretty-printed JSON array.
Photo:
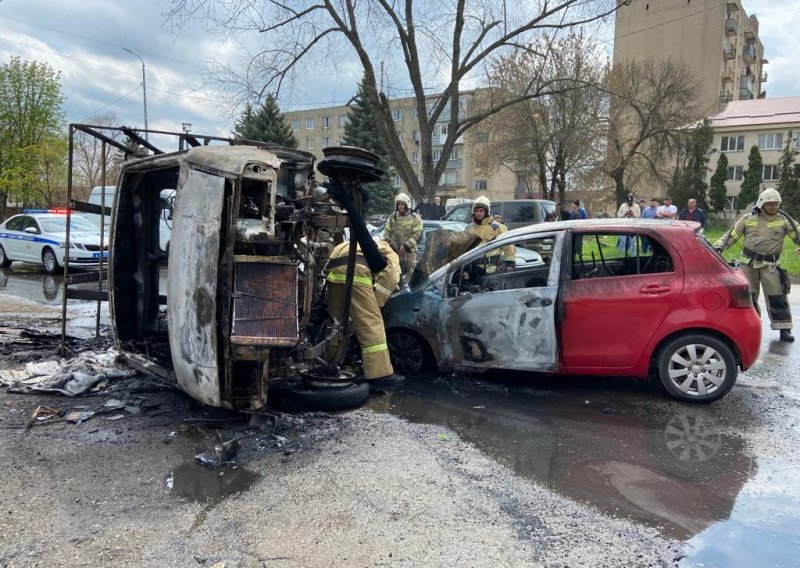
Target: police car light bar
[{"x": 60, "y": 211}]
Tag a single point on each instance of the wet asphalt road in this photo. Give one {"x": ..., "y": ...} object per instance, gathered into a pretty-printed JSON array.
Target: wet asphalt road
[{"x": 721, "y": 478}]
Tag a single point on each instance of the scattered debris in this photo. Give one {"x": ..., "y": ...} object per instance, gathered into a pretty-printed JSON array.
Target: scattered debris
[
  {"x": 223, "y": 453},
  {"x": 71, "y": 378},
  {"x": 78, "y": 415},
  {"x": 41, "y": 414}
]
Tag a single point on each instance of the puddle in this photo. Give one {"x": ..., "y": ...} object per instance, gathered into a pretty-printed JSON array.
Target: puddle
[
  {"x": 679, "y": 473},
  {"x": 199, "y": 483}
]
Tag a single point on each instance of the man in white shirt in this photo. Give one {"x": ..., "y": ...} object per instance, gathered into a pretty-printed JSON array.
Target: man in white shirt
[{"x": 668, "y": 210}]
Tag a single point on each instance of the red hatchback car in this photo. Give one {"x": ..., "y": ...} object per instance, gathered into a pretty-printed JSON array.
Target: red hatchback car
[{"x": 613, "y": 297}]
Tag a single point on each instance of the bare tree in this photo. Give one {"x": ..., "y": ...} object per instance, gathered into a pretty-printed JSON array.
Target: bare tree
[
  {"x": 550, "y": 139},
  {"x": 651, "y": 103},
  {"x": 440, "y": 43},
  {"x": 89, "y": 161}
]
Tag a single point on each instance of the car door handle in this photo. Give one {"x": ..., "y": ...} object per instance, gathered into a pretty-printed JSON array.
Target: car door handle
[
  {"x": 654, "y": 289},
  {"x": 531, "y": 302}
]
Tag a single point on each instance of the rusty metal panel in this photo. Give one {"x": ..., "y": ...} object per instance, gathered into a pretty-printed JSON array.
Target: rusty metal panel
[{"x": 265, "y": 308}]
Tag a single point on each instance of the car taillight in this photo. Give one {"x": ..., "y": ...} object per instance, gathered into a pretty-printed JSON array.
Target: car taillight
[{"x": 738, "y": 293}]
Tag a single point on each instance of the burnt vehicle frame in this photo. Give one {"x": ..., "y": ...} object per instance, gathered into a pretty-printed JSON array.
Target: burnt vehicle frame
[{"x": 240, "y": 308}]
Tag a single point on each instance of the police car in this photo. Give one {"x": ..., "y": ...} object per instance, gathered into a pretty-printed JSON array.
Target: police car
[{"x": 38, "y": 236}]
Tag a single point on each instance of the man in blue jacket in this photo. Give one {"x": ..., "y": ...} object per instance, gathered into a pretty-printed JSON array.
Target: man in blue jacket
[{"x": 693, "y": 213}]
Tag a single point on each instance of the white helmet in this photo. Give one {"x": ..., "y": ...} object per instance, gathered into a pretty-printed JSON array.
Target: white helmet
[
  {"x": 484, "y": 202},
  {"x": 767, "y": 196},
  {"x": 403, "y": 198}
]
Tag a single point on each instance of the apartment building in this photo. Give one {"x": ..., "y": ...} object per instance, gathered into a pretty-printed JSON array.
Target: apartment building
[
  {"x": 318, "y": 128},
  {"x": 765, "y": 123},
  {"x": 718, "y": 38}
]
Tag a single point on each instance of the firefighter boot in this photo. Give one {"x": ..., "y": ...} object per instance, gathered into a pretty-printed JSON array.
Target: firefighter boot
[{"x": 786, "y": 335}]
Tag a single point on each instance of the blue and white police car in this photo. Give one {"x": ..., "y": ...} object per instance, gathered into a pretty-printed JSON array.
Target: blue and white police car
[{"x": 38, "y": 236}]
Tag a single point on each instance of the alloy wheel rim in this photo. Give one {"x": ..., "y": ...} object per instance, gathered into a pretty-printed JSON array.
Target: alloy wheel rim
[{"x": 697, "y": 369}]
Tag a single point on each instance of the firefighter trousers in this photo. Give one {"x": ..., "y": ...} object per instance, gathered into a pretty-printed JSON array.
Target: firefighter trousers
[
  {"x": 768, "y": 278},
  {"x": 368, "y": 326}
]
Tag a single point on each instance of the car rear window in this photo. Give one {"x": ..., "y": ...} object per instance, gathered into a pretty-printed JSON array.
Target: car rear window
[{"x": 519, "y": 213}]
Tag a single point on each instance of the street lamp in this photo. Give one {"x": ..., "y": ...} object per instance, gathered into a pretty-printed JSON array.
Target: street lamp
[
  {"x": 144, "y": 90},
  {"x": 186, "y": 126}
]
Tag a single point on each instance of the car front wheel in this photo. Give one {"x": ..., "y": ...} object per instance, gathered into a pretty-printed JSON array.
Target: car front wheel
[
  {"x": 697, "y": 368},
  {"x": 5, "y": 262},
  {"x": 409, "y": 353},
  {"x": 50, "y": 261}
]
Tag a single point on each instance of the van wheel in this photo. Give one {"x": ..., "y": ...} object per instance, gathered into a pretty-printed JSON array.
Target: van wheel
[
  {"x": 299, "y": 397},
  {"x": 5, "y": 262},
  {"x": 697, "y": 368},
  {"x": 50, "y": 261}
]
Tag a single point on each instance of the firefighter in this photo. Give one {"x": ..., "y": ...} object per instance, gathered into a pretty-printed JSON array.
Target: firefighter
[
  {"x": 403, "y": 231},
  {"x": 369, "y": 293},
  {"x": 764, "y": 230},
  {"x": 486, "y": 227}
]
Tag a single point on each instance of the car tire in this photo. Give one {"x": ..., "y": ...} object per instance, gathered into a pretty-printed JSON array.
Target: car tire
[
  {"x": 5, "y": 262},
  {"x": 410, "y": 354},
  {"x": 300, "y": 397},
  {"x": 697, "y": 368},
  {"x": 50, "y": 261}
]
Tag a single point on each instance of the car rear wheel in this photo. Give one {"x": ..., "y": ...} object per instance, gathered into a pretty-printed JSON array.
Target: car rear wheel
[
  {"x": 50, "y": 261},
  {"x": 697, "y": 368},
  {"x": 5, "y": 262},
  {"x": 409, "y": 353}
]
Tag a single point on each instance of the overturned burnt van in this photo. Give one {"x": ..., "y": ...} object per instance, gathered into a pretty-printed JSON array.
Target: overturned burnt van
[{"x": 233, "y": 304}]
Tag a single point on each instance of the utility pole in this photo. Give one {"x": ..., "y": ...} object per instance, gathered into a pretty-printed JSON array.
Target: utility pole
[{"x": 144, "y": 91}]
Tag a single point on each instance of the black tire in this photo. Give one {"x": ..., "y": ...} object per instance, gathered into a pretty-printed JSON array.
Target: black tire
[
  {"x": 5, "y": 262},
  {"x": 50, "y": 261},
  {"x": 410, "y": 354},
  {"x": 697, "y": 368},
  {"x": 299, "y": 397}
]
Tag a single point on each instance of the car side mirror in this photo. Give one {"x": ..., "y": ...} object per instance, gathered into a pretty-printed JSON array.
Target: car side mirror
[{"x": 32, "y": 230}]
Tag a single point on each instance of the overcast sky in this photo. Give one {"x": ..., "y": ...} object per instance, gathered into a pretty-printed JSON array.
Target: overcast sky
[{"x": 84, "y": 41}]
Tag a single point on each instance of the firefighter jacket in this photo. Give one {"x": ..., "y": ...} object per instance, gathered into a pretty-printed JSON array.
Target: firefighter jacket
[
  {"x": 763, "y": 236},
  {"x": 404, "y": 230},
  {"x": 488, "y": 229},
  {"x": 383, "y": 283}
]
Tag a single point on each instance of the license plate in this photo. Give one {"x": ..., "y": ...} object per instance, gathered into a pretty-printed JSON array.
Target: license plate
[{"x": 96, "y": 255}]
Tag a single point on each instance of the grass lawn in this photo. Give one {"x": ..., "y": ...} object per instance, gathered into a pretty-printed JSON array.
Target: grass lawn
[{"x": 789, "y": 260}]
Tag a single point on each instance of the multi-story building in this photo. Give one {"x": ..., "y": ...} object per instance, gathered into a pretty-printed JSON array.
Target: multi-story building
[
  {"x": 716, "y": 37},
  {"x": 766, "y": 123},
  {"x": 464, "y": 175}
]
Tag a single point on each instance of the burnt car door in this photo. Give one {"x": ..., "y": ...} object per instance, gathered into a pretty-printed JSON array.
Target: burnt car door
[{"x": 498, "y": 315}]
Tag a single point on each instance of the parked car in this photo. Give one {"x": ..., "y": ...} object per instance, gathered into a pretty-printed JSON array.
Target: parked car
[
  {"x": 677, "y": 311},
  {"x": 515, "y": 213},
  {"x": 38, "y": 236}
]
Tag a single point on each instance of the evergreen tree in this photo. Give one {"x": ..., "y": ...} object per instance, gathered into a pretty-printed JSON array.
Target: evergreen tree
[
  {"x": 789, "y": 182},
  {"x": 718, "y": 193},
  {"x": 265, "y": 125},
  {"x": 751, "y": 184},
  {"x": 689, "y": 180},
  {"x": 361, "y": 130}
]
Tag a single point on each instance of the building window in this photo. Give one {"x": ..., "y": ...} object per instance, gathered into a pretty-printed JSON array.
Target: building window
[
  {"x": 443, "y": 129},
  {"x": 455, "y": 154},
  {"x": 797, "y": 142},
  {"x": 326, "y": 122},
  {"x": 309, "y": 143},
  {"x": 771, "y": 173},
  {"x": 326, "y": 141},
  {"x": 415, "y": 136},
  {"x": 295, "y": 124},
  {"x": 481, "y": 185},
  {"x": 437, "y": 154},
  {"x": 309, "y": 124},
  {"x": 397, "y": 114},
  {"x": 415, "y": 157},
  {"x": 735, "y": 173},
  {"x": 732, "y": 144},
  {"x": 342, "y": 119},
  {"x": 414, "y": 111},
  {"x": 772, "y": 141},
  {"x": 483, "y": 137},
  {"x": 396, "y": 181}
]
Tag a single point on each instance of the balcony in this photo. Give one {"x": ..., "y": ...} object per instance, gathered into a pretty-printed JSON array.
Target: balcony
[
  {"x": 731, "y": 27},
  {"x": 762, "y": 94},
  {"x": 749, "y": 52},
  {"x": 729, "y": 52},
  {"x": 725, "y": 97},
  {"x": 763, "y": 76},
  {"x": 746, "y": 87}
]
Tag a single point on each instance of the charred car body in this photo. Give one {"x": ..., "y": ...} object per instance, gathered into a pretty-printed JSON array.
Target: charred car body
[{"x": 232, "y": 307}]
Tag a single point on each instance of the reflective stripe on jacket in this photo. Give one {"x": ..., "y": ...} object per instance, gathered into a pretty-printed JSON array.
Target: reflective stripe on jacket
[{"x": 404, "y": 230}]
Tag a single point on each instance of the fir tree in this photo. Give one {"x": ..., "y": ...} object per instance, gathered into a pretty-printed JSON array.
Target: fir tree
[
  {"x": 265, "y": 125},
  {"x": 751, "y": 184},
  {"x": 689, "y": 180},
  {"x": 361, "y": 130},
  {"x": 789, "y": 182},
  {"x": 718, "y": 193}
]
